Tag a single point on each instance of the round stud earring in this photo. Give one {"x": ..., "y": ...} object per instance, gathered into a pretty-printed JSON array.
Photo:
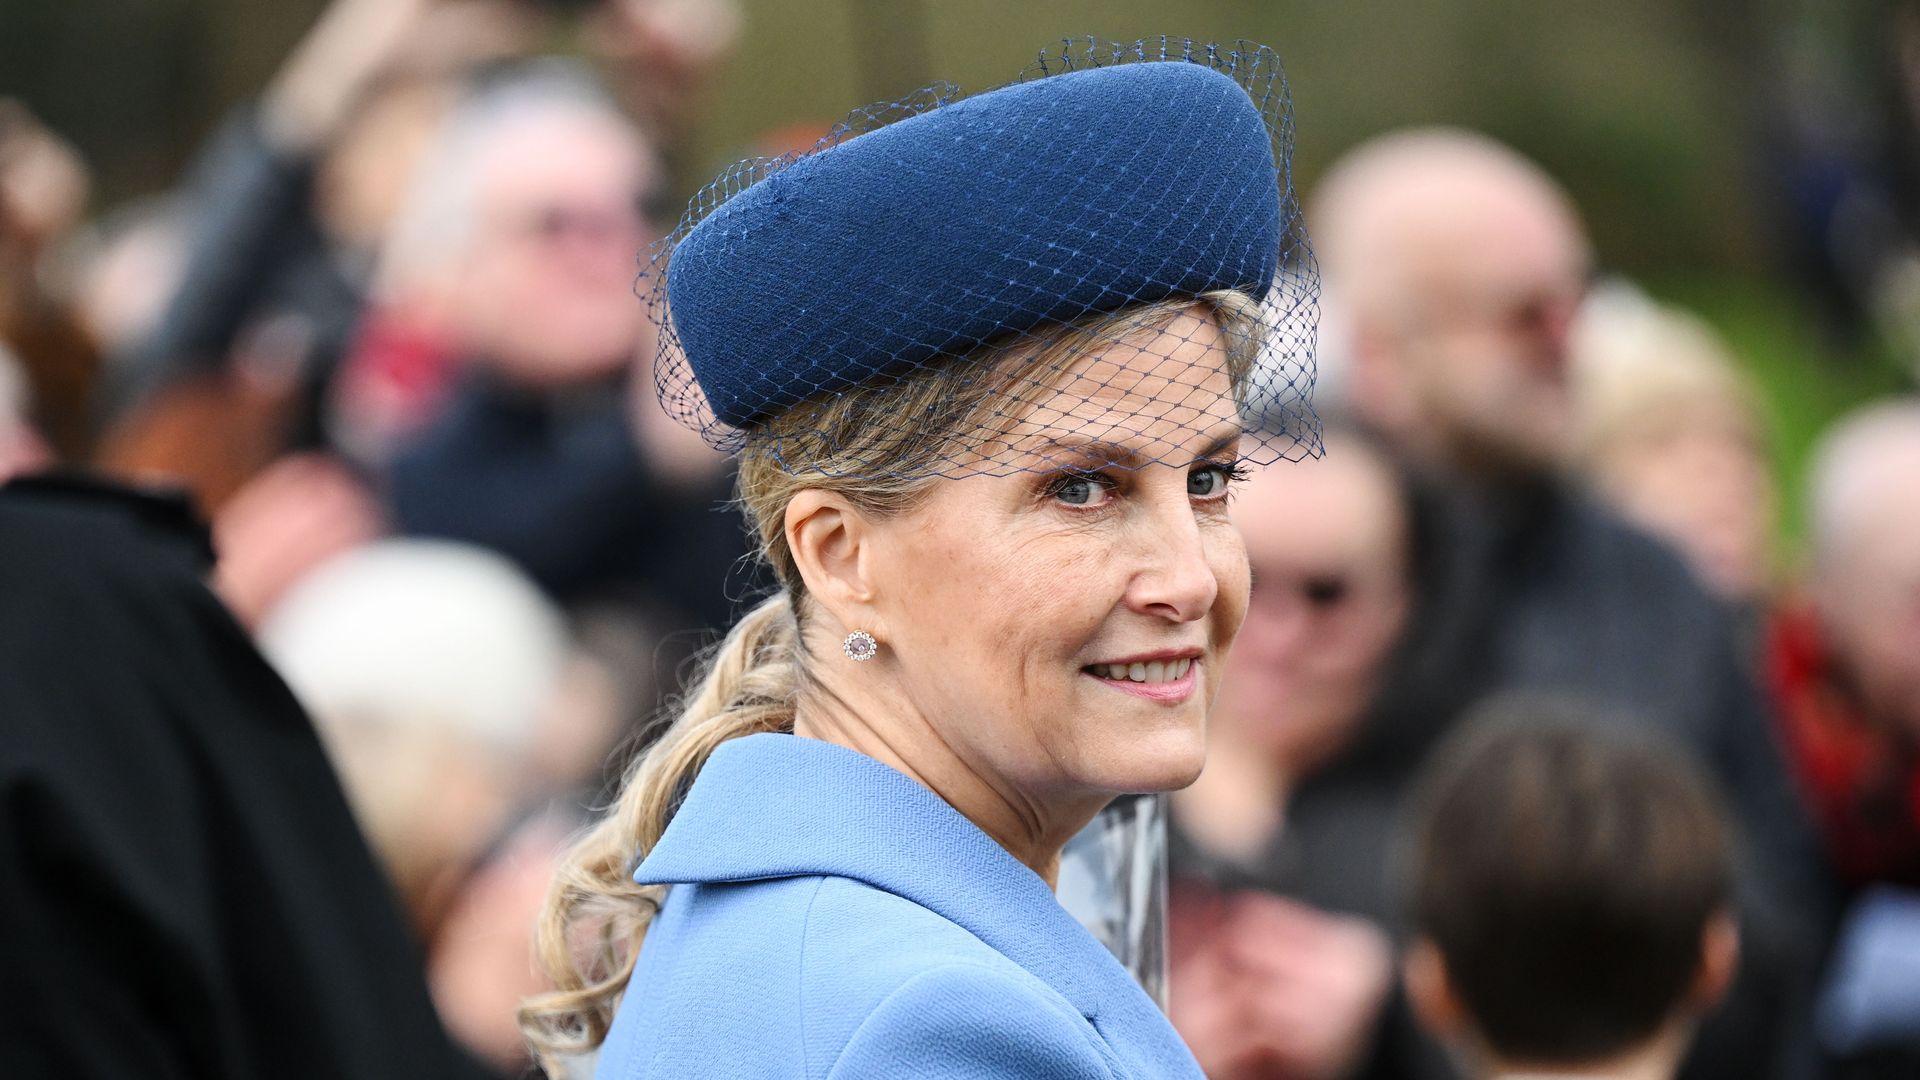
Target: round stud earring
[{"x": 860, "y": 646}]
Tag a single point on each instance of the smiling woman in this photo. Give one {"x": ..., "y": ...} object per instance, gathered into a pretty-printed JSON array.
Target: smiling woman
[{"x": 995, "y": 499}]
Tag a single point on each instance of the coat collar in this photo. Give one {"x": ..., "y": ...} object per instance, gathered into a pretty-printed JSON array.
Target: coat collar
[{"x": 772, "y": 805}]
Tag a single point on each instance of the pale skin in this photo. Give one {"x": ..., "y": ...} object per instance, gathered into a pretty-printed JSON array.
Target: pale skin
[
  {"x": 1460, "y": 267},
  {"x": 1001, "y": 602}
]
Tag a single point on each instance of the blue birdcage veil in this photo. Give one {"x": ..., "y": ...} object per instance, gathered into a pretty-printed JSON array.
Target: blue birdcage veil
[{"x": 1107, "y": 252}]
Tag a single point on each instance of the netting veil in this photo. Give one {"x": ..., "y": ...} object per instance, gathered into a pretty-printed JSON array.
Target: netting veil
[{"x": 1104, "y": 257}]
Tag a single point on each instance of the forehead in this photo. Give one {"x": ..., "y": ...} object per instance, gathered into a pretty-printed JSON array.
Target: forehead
[
  {"x": 1498, "y": 235},
  {"x": 1887, "y": 534},
  {"x": 1159, "y": 394},
  {"x": 1342, "y": 508},
  {"x": 536, "y": 156}
]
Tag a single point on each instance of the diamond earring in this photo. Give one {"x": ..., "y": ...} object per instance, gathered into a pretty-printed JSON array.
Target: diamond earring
[{"x": 860, "y": 646}]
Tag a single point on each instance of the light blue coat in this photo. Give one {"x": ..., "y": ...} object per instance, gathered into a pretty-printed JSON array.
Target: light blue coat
[{"x": 830, "y": 917}]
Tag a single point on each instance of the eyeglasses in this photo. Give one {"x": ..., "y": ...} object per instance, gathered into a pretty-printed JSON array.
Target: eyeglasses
[
  {"x": 1322, "y": 593},
  {"x": 559, "y": 224}
]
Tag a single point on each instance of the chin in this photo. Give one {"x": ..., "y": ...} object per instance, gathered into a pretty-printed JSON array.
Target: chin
[{"x": 1158, "y": 761}]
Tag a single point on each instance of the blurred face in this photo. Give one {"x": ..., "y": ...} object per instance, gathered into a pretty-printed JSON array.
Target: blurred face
[
  {"x": 1481, "y": 330},
  {"x": 1062, "y": 631},
  {"x": 1870, "y": 604},
  {"x": 546, "y": 296},
  {"x": 1709, "y": 492},
  {"x": 1327, "y": 543}
]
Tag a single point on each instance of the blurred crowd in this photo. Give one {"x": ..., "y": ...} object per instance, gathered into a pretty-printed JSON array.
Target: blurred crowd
[{"x": 1537, "y": 753}]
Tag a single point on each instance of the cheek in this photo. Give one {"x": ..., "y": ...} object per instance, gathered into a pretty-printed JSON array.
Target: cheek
[
  {"x": 1016, "y": 607},
  {"x": 1228, "y": 557}
]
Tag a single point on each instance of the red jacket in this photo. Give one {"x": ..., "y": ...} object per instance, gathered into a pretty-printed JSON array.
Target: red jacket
[{"x": 1861, "y": 783}]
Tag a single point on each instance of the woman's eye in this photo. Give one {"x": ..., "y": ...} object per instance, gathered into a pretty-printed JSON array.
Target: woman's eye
[
  {"x": 1209, "y": 481},
  {"x": 1080, "y": 489}
]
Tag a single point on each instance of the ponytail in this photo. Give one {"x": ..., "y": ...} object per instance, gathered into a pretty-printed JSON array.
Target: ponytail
[{"x": 595, "y": 915}]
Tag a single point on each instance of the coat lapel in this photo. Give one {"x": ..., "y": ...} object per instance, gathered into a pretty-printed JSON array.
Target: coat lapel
[{"x": 771, "y": 806}]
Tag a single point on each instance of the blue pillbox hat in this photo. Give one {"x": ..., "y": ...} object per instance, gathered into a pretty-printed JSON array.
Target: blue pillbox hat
[
  {"x": 1110, "y": 179},
  {"x": 1034, "y": 203}
]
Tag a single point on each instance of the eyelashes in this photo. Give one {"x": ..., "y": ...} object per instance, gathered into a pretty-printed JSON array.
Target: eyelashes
[{"x": 1089, "y": 488}]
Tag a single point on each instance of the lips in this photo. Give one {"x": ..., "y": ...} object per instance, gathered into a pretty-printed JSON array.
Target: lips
[{"x": 1167, "y": 678}]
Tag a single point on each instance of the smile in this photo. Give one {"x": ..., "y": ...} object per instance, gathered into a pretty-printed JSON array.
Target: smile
[
  {"x": 1169, "y": 681},
  {"x": 1158, "y": 671}
]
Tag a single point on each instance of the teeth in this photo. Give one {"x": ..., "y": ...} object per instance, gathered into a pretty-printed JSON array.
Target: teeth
[{"x": 1158, "y": 671}]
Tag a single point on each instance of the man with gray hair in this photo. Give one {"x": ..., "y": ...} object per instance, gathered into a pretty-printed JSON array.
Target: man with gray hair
[
  {"x": 1454, "y": 268},
  {"x": 1846, "y": 669},
  {"x": 519, "y": 243}
]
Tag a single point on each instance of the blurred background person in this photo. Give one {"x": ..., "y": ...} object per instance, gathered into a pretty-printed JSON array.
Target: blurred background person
[
  {"x": 438, "y": 677},
  {"x": 1455, "y": 268},
  {"x": 1844, "y": 667},
  {"x": 519, "y": 242},
  {"x": 285, "y": 209},
  {"x": 1671, "y": 434},
  {"x": 1280, "y": 965},
  {"x": 1572, "y": 896}
]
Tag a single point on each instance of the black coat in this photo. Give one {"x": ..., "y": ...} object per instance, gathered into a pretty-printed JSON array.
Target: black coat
[{"x": 183, "y": 891}]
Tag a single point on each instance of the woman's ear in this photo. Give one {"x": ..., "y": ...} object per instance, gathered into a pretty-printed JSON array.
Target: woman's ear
[{"x": 830, "y": 540}]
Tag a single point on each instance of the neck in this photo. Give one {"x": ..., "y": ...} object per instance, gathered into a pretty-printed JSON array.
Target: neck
[
  {"x": 1657, "y": 1059},
  {"x": 1033, "y": 829}
]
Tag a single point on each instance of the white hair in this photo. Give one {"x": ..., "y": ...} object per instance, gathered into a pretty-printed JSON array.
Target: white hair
[
  {"x": 1644, "y": 369},
  {"x": 436, "y": 222},
  {"x": 1870, "y": 457},
  {"x": 421, "y": 635}
]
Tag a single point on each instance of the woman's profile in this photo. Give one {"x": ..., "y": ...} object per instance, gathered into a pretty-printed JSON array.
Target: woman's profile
[{"x": 990, "y": 369}]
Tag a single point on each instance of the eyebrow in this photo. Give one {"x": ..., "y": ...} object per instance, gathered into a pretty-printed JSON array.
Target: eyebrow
[{"x": 1127, "y": 457}]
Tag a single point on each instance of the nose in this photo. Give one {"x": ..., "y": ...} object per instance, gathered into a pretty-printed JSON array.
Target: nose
[{"x": 1177, "y": 581}]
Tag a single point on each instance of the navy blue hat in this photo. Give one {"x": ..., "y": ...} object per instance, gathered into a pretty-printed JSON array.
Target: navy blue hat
[{"x": 1119, "y": 180}]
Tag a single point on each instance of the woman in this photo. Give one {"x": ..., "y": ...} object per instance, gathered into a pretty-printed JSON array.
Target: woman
[{"x": 987, "y": 368}]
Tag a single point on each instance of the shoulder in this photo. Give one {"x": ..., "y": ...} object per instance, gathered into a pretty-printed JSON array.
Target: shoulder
[
  {"x": 970, "y": 1021},
  {"x": 1613, "y": 543},
  {"x": 97, "y": 533},
  {"x": 109, "y": 626},
  {"x": 892, "y": 988},
  {"x": 862, "y": 943},
  {"x": 828, "y": 976}
]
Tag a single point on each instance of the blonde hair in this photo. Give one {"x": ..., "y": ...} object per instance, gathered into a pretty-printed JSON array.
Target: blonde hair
[
  {"x": 596, "y": 916},
  {"x": 1644, "y": 372}
]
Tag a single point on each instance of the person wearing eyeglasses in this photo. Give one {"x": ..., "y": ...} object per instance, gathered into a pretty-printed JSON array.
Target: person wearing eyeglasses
[{"x": 1278, "y": 965}]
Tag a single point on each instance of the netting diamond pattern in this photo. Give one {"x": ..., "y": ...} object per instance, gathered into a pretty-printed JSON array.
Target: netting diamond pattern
[{"x": 1077, "y": 347}]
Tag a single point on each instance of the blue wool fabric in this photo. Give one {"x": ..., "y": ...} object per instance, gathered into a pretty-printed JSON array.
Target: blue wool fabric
[
  {"x": 830, "y": 917},
  {"x": 1038, "y": 202}
]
